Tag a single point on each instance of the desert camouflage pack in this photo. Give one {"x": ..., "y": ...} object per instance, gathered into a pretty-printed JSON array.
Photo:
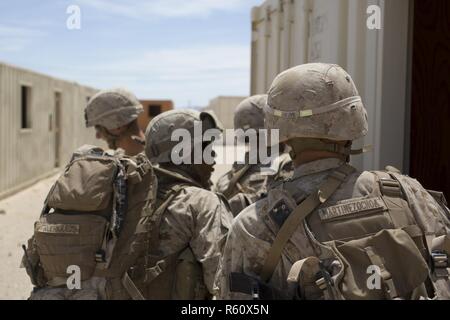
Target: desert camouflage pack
[{"x": 97, "y": 217}]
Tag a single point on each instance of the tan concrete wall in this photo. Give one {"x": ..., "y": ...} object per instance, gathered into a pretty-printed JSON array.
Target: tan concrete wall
[
  {"x": 27, "y": 154},
  {"x": 224, "y": 107}
]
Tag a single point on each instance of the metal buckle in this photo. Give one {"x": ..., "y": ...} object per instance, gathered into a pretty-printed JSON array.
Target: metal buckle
[
  {"x": 255, "y": 290},
  {"x": 440, "y": 260},
  {"x": 321, "y": 284},
  {"x": 390, "y": 288},
  {"x": 390, "y": 187},
  {"x": 141, "y": 170},
  {"x": 155, "y": 271},
  {"x": 100, "y": 256}
]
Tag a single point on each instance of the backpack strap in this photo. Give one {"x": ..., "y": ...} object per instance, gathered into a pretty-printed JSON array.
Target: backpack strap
[
  {"x": 439, "y": 197},
  {"x": 315, "y": 199},
  {"x": 391, "y": 189},
  {"x": 431, "y": 246},
  {"x": 183, "y": 179},
  {"x": 137, "y": 171},
  {"x": 152, "y": 266},
  {"x": 389, "y": 287},
  {"x": 131, "y": 288},
  {"x": 235, "y": 179}
]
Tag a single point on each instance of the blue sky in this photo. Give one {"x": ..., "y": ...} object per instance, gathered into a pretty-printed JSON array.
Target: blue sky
[{"x": 186, "y": 50}]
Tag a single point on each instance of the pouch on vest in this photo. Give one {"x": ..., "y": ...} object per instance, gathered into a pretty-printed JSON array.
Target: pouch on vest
[
  {"x": 65, "y": 240},
  {"x": 86, "y": 185},
  {"x": 386, "y": 265}
]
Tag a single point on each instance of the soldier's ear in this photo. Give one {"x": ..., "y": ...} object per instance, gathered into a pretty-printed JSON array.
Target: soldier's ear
[
  {"x": 98, "y": 132},
  {"x": 118, "y": 131}
]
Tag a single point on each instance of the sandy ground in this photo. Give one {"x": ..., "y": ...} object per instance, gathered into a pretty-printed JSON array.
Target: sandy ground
[{"x": 17, "y": 216}]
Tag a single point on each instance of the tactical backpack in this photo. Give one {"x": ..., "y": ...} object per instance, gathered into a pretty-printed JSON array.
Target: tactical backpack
[
  {"x": 97, "y": 217},
  {"x": 362, "y": 237}
]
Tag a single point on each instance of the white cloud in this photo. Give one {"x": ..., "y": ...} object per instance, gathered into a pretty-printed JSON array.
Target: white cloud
[
  {"x": 194, "y": 74},
  {"x": 14, "y": 39},
  {"x": 163, "y": 8}
]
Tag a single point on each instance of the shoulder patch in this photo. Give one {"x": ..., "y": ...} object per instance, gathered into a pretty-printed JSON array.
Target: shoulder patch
[
  {"x": 359, "y": 206},
  {"x": 280, "y": 213}
]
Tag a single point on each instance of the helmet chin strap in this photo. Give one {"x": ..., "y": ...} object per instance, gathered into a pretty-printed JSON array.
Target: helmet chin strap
[
  {"x": 138, "y": 140},
  {"x": 111, "y": 139},
  {"x": 311, "y": 144}
]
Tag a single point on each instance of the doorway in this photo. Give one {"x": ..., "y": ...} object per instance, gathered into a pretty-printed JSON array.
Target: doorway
[{"x": 430, "y": 95}]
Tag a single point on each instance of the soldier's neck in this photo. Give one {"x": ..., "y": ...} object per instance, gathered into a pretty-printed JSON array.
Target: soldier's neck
[{"x": 131, "y": 146}]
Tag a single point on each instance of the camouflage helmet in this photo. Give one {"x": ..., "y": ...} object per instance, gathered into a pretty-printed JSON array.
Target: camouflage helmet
[
  {"x": 112, "y": 109},
  {"x": 158, "y": 136},
  {"x": 249, "y": 113},
  {"x": 318, "y": 101}
]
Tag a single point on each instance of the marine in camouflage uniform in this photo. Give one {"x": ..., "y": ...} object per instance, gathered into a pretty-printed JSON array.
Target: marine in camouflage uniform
[
  {"x": 245, "y": 183},
  {"x": 114, "y": 114},
  {"x": 315, "y": 234},
  {"x": 193, "y": 221}
]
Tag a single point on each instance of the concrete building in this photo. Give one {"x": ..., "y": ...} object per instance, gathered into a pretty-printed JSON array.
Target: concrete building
[
  {"x": 151, "y": 109},
  {"x": 223, "y": 107},
  {"x": 41, "y": 123},
  {"x": 401, "y": 70}
]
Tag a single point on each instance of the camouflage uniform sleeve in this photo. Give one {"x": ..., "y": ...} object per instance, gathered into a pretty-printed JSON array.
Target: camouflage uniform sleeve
[
  {"x": 222, "y": 183},
  {"x": 239, "y": 202},
  {"x": 244, "y": 252},
  {"x": 211, "y": 222},
  {"x": 205, "y": 224}
]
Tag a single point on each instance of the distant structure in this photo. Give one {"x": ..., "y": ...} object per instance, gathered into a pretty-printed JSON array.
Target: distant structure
[
  {"x": 41, "y": 123},
  {"x": 151, "y": 109},
  {"x": 223, "y": 107}
]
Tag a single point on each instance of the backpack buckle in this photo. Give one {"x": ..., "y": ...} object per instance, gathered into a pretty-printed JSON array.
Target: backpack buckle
[
  {"x": 440, "y": 260},
  {"x": 391, "y": 188},
  {"x": 135, "y": 177},
  {"x": 153, "y": 272},
  {"x": 255, "y": 290},
  {"x": 100, "y": 256}
]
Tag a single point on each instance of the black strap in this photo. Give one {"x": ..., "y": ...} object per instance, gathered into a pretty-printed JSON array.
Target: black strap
[{"x": 243, "y": 283}]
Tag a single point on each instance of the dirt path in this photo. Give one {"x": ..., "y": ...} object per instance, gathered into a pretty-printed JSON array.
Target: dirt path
[{"x": 17, "y": 216}]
